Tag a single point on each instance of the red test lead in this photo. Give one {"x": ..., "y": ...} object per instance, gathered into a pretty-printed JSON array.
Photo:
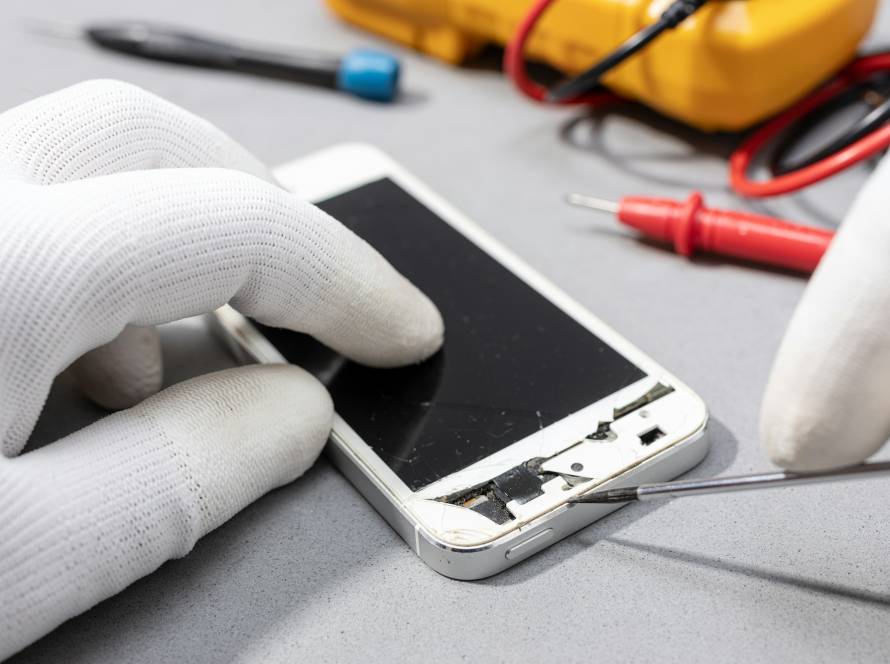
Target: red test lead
[{"x": 690, "y": 226}]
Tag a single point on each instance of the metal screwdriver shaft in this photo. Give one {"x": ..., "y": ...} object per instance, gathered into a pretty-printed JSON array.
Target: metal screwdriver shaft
[{"x": 772, "y": 480}]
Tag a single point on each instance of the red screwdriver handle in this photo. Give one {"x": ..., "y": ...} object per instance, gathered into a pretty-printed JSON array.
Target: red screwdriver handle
[{"x": 690, "y": 226}]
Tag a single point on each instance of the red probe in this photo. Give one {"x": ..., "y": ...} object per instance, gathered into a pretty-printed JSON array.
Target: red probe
[{"x": 688, "y": 225}]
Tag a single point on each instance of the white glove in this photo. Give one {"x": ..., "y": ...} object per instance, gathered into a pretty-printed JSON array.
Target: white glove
[
  {"x": 828, "y": 399},
  {"x": 120, "y": 209}
]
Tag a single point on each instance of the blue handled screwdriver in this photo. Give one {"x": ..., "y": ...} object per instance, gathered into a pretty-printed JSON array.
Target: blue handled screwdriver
[{"x": 362, "y": 72}]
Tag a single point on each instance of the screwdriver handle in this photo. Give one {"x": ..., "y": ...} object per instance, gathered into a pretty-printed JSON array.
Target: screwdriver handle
[
  {"x": 691, "y": 226},
  {"x": 362, "y": 72}
]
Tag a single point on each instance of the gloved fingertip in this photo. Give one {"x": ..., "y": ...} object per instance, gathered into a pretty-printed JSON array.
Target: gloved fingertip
[
  {"x": 294, "y": 385},
  {"x": 9, "y": 448},
  {"x": 122, "y": 394},
  {"x": 243, "y": 432},
  {"x": 425, "y": 338},
  {"x": 810, "y": 441},
  {"x": 123, "y": 372},
  {"x": 781, "y": 450}
]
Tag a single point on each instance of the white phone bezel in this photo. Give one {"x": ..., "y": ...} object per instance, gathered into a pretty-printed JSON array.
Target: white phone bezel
[{"x": 345, "y": 167}]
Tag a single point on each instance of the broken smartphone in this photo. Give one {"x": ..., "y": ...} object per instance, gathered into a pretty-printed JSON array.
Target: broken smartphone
[{"x": 472, "y": 455}]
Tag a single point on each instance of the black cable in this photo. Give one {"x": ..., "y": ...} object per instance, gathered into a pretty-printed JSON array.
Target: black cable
[
  {"x": 585, "y": 82},
  {"x": 780, "y": 161}
]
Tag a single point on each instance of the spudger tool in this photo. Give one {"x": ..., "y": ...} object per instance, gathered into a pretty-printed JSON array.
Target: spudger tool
[
  {"x": 361, "y": 72},
  {"x": 754, "y": 482}
]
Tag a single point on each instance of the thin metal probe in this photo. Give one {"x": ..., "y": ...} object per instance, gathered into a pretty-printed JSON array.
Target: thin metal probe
[
  {"x": 593, "y": 203},
  {"x": 54, "y": 29},
  {"x": 771, "y": 480}
]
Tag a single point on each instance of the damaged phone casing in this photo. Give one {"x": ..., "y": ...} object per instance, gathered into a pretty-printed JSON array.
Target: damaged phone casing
[{"x": 504, "y": 508}]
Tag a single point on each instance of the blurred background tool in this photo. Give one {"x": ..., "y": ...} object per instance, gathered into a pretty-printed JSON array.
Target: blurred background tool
[
  {"x": 690, "y": 226},
  {"x": 773, "y": 480},
  {"x": 715, "y": 71},
  {"x": 364, "y": 73}
]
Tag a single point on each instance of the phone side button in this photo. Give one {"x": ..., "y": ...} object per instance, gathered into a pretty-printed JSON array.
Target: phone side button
[{"x": 534, "y": 543}]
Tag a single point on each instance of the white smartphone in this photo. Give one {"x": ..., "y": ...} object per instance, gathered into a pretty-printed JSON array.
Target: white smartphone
[{"x": 472, "y": 455}]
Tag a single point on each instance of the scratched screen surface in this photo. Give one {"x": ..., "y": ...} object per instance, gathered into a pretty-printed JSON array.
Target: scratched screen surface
[{"x": 512, "y": 362}]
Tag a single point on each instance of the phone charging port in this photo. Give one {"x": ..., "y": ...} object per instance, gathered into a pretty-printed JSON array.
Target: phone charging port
[{"x": 650, "y": 436}]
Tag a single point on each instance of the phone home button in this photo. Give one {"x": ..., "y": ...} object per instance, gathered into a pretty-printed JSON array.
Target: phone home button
[{"x": 534, "y": 543}]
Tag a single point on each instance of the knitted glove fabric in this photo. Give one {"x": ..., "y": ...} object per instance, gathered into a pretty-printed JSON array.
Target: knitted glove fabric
[
  {"x": 121, "y": 211},
  {"x": 827, "y": 400}
]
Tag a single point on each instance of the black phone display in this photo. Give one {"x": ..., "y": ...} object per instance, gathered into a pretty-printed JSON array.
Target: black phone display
[{"x": 512, "y": 362}]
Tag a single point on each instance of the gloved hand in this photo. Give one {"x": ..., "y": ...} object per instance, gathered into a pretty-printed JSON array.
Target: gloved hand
[
  {"x": 121, "y": 211},
  {"x": 828, "y": 398}
]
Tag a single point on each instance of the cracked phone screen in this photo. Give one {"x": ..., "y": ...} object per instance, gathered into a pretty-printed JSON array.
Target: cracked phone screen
[{"x": 512, "y": 362}]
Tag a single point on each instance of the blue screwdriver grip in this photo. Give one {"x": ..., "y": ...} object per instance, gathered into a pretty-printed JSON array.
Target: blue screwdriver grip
[{"x": 369, "y": 74}]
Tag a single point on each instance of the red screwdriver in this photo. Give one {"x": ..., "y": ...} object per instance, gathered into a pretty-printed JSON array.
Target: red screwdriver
[{"x": 688, "y": 225}]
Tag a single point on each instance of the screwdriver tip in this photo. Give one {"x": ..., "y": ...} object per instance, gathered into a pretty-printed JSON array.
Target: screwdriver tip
[
  {"x": 593, "y": 203},
  {"x": 608, "y": 496},
  {"x": 52, "y": 29}
]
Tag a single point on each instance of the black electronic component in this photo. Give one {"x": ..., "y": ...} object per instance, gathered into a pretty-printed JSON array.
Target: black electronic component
[
  {"x": 650, "y": 436},
  {"x": 487, "y": 504},
  {"x": 603, "y": 432},
  {"x": 519, "y": 483}
]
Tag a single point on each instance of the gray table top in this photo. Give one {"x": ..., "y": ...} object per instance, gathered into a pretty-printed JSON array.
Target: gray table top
[{"x": 312, "y": 572}]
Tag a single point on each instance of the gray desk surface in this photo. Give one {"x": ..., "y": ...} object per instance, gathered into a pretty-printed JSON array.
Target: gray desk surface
[{"x": 311, "y": 573}]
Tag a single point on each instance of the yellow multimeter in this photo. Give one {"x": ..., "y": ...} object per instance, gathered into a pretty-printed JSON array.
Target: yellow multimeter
[{"x": 732, "y": 64}]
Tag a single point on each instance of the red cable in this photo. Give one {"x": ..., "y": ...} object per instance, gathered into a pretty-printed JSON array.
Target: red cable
[
  {"x": 514, "y": 62},
  {"x": 742, "y": 158},
  {"x": 865, "y": 147}
]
